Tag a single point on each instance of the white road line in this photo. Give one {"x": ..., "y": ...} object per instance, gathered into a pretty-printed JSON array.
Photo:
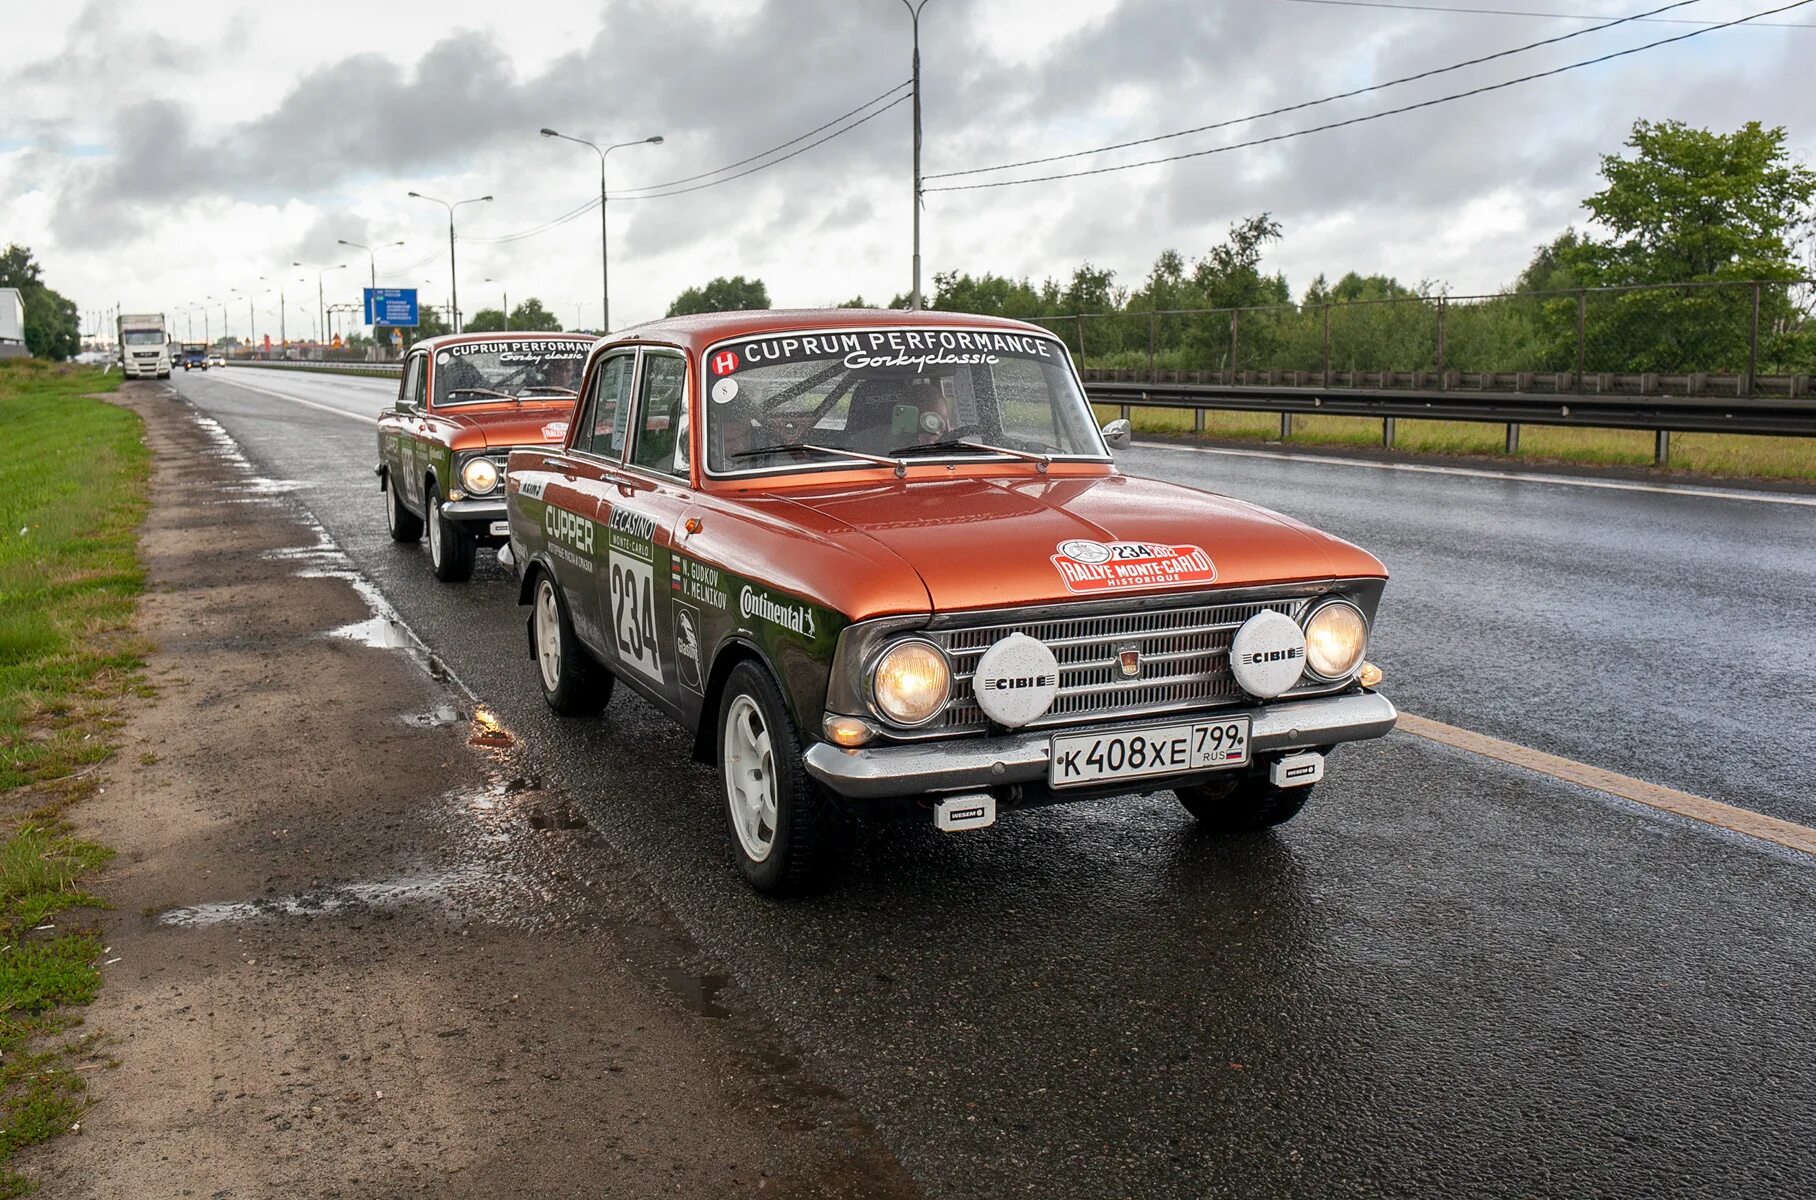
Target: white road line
[
  {"x": 1612, "y": 485},
  {"x": 327, "y": 408},
  {"x": 1776, "y": 830}
]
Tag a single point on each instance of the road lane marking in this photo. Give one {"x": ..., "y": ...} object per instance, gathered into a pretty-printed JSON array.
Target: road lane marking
[
  {"x": 1775, "y": 830},
  {"x": 327, "y": 408},
  {"x": 1612, "y": 485}
]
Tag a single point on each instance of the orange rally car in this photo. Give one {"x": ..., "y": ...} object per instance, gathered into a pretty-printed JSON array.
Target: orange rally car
[{"x": 885, "y": 559}]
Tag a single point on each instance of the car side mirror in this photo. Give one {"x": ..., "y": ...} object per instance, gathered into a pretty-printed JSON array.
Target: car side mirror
[{"x": 1118, "y": 434}]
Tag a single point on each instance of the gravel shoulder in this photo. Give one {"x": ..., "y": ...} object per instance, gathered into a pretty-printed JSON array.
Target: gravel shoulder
[{"x": 358, "y": 949}]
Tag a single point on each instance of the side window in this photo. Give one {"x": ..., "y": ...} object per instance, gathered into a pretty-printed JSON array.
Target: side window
[
  {"x": 662, "y": 415},
  {"x": 604, "y": 435},
  {"x": 410, "y": 390}
]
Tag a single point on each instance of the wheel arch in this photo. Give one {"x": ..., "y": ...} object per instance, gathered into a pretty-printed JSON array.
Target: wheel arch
[{"x": 734, "y": 650}]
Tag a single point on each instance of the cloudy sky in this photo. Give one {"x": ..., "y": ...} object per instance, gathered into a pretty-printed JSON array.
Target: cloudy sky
[{"x": 156, "y": 154}]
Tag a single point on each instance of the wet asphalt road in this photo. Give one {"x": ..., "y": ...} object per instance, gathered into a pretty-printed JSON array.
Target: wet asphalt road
[{"x": 1448, "y": 977}]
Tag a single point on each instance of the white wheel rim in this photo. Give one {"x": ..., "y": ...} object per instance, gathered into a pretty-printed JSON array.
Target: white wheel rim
[
  {"x": 391, "y": 501},
  {"x": 548, "y": 636},
  {"x": 750, "y": 778},
  {"x": 434, "y": 531}
]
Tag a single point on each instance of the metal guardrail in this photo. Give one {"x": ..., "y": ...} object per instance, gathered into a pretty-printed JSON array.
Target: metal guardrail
[
  {"x": 1785, "y": 415},
  {"x": 342, "y": 368}
]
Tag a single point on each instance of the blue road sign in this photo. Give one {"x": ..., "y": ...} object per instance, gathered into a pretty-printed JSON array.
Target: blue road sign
[{"x": 392, "y": 307}]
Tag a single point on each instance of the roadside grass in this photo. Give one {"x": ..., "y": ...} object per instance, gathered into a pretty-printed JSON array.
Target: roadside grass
[
  {"x": 72, "y": 495},
  {"x": 1716, "y": 454}
]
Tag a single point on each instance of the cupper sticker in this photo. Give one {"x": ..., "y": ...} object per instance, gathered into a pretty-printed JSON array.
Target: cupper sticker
[{"x": 1088, "y": 568}]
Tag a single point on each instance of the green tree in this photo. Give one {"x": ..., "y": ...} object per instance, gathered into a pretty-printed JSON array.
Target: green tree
[
  {"x": 531, "y": 315},
  {"x": 721, "y": 295},
  {"x": 987, "y": 295},
  {"x": 486, "y": 320},
  {"x": 1691, "y": 206},
  {"x": 53, "y": 328}
]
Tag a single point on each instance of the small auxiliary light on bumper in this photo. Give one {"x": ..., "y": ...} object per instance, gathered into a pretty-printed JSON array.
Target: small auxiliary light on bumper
[
  {"x": 848, "y": 732},
  {"x": 1369, "y": 676}
]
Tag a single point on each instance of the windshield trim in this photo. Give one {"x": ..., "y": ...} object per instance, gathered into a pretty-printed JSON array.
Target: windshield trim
[{"x": 904, "y": 327}]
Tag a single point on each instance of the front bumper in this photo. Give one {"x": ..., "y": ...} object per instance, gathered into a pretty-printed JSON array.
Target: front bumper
[
  {"x": 474, "y": 512},
  {"x": 969, "y": 764}
]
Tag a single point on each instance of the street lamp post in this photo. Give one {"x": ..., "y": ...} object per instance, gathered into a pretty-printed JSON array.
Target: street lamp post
[
  {"x": 207, "y": 338},
  {"x": 914, "y": 8},
  {"x": 605, "y": 285},
  {"x": 453, "y": 281},
  {"x": 283, "y": 335},
  {"x": 372, "y": 263},
  {"x": 506, "y": 299},
  {"x": 321, "y": 304}
]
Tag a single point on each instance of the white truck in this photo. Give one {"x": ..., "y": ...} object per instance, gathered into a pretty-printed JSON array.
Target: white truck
[
  {"x": 12, "y": 324},
  {"x": 144, "y": 346}
]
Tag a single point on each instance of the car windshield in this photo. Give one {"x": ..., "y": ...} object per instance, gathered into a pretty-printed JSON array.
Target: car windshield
[
  {"x": 795, "y": 401},
  {"x": 144, "y": 337},
  {"x": 481, "y": 372}
]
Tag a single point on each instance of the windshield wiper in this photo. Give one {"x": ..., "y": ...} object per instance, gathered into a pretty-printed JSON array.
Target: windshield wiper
[
  {"x": 792, "y": 447},
  {"x": 549, "y": 387},
  {"x": 951, "y": 444},
  {"x": 470, "y": 391}
]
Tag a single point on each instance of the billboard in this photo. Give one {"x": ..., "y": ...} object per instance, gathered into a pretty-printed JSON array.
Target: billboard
[{"x": 392, "y": 307}]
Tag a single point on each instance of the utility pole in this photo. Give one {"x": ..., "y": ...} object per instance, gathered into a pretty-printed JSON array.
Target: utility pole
[
  {"x": 507, "y": 302},
  {"x": 914, "y": 16},
  {"x": 321, "y": 305},
  {"x": 453, "y": 280},
  {"x": 605, "y": 287}
]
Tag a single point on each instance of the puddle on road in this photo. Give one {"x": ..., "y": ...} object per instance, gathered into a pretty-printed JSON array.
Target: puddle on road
[
  {"x": 323, "y": 902},
  {"x": 700, "y": 993},
  {"x": 437, "y": 717}
]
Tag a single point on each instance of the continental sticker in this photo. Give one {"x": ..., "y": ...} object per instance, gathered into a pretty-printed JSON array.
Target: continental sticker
[
  {"x": 761, "y": 606},
  {"x": 1091, "y": 568}
]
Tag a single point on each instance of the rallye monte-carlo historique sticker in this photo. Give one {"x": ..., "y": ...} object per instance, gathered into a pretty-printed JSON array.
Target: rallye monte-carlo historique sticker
[{"x": 1088, "y": 567}]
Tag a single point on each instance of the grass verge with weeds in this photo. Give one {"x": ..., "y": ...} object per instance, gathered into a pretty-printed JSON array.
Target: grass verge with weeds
[
  {"x": 72, "y": 495},
  {"x": 1726, "y": 455}
]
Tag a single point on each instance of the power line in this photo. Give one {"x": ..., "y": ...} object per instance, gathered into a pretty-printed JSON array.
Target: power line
[
  {"x": 655, "y": 191},
  {"x": 1275, "y": 112},
  {"x": 773, "y": 162},
  {"x": 884, "y": 95},
  {"x": 1405, "y": 108},
  {"x": 1521, "y": 12}
]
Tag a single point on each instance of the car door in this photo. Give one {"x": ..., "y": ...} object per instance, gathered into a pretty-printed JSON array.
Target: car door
[
  {"x": 655, "y": 642},
  {"x": 401, "y": 436},
  {"x": 575, "y": 493}
]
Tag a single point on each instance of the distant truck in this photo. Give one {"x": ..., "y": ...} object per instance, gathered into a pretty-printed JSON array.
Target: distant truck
[
  {"x": 195, "y": 356},
  {"x": 144, "y": 346},
  {"x": 12, "y": 324}
]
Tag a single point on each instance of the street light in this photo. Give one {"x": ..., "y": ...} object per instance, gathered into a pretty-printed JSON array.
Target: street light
[
  {"x": 371, "y": 259},
  {"x": 605, "y": 287},
  {"x": 283, "y": 336},
  {"x": 453, "y": 281},
  {"x": 507, "y": 301},
  {"x": 914, "y": 15},
  {"x": 321, "y": 303}
]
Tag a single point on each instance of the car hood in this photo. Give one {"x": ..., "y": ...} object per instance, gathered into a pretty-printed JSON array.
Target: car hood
[
  {"x": 500, "y": 427},
  {"x": 995, "y": 542}
]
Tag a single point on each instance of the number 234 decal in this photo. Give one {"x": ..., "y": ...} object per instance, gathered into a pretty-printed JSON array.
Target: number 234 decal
[{"x": 634, "y": 616}]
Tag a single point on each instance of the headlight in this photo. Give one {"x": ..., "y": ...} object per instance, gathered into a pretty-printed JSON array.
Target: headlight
[
  {"x": 1335, "y": 639},
  {"x": 480, "y": 475},
  {"x": 910, "y": 682}
]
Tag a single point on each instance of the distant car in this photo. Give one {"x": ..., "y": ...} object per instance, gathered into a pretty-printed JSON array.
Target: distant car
[
  {"x": 884, "y": 560},
  {"x": 217, "y": 360},
  {"x": 464, "y": 403}
]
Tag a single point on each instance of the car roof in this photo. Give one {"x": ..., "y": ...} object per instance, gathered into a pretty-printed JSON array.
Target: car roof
[
  {"x": 704, "y": 329},
  {"x": 516, "y": 335}
]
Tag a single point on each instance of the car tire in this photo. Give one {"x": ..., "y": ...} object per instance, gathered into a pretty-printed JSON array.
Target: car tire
[
  {"x": 451, "y": 548},
  {"x": 782, "y": 823},
  {"x": 405, "y": 526},
  {"x": 572, "y": 683},
  {"x": 1243, "y": 805}
]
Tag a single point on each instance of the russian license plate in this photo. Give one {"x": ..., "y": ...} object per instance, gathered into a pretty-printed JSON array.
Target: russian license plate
[
  {"x": 500, "y": 529},
  {"x": 1085, "y": 758}
]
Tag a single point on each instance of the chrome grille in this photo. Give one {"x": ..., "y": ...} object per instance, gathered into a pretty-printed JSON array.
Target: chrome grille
[{"x": 1184, "y": 661}]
